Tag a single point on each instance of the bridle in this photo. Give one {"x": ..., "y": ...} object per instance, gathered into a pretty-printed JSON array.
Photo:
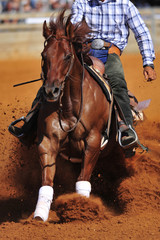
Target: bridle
[
  {"x": 72, "y": 57},
  {"x": 67, "y": 76}
]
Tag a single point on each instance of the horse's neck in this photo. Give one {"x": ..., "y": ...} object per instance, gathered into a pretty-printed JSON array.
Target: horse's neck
[{"x": 71, "y": 99}]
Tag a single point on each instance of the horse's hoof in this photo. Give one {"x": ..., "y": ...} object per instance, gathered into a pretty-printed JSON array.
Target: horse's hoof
[{"x": 38, "y": 219}]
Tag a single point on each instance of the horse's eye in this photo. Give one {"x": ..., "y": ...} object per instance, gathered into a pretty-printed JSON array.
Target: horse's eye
[{"x": 67, "y": 57}]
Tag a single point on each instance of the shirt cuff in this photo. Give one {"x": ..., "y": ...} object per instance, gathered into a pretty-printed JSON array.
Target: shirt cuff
[
  {"x": 149, "y": 65},
  {"x": 147, "y": 62}
]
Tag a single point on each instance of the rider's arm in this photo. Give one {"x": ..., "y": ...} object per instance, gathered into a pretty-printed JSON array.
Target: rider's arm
[
  {"x": 144, "y": 41},
  {"x": 142, "y": 35}
]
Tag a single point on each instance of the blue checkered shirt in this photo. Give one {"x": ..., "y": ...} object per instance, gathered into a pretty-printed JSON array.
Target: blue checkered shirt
[{"x": 111, "y": 20}]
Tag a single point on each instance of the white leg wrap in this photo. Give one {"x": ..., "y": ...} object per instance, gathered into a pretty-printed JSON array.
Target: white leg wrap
[
  {"x": 83, "y": 188},
  {"x": 44, "y": 202}
]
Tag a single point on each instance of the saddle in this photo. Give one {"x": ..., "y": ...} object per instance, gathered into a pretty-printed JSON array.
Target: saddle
[{"x": 103, "y": 83}]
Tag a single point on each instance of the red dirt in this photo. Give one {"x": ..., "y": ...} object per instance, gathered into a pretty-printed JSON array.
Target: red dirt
[{"x": 132, "y": 208}]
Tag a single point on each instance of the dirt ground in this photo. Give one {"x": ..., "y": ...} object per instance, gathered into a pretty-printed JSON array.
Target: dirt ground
[{"x": 132, "y": 212}]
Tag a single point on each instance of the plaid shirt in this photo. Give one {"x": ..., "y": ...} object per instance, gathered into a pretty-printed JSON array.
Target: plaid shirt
[{"x": 111, "y": 20}]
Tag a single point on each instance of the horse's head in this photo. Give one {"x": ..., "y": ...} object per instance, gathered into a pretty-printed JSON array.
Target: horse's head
[{"x": 62, "y": 41}]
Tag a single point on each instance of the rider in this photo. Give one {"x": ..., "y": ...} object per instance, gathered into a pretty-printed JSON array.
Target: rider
[{"x": 110, "y": 21}]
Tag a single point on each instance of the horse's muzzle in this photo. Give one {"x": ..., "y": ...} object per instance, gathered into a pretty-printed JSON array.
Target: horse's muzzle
[{"x": 51, "y": 93}]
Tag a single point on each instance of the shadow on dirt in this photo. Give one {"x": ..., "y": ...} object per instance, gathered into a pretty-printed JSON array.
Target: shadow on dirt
[
  {"x": 110, "y": 171},
  {"x": 16, "y": 209}
]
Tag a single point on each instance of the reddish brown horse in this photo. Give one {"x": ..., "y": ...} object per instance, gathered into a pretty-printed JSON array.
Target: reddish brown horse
[{"x": 75, "y": 111}]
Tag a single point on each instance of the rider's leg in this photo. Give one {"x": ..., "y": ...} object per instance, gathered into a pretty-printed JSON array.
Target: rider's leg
[
  {"x": 115, "y": 74},
  {"x": 29, "y": 120}
]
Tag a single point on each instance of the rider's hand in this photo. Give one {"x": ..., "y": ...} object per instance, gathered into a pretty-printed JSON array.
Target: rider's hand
[{"x": 149, "y": 73}]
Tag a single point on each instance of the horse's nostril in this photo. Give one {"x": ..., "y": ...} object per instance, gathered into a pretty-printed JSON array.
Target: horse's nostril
[
  {"x": 56, "y": 90},
  {"x": 50, "y": 94}
]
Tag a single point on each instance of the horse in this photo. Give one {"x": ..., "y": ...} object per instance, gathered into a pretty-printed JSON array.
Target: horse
[{"x": 75, "y": 111}]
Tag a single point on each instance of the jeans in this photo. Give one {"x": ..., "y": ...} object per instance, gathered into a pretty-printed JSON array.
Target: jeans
[
  {"x": 102, "y": 54},
  {"x": 114, "y": 71}
]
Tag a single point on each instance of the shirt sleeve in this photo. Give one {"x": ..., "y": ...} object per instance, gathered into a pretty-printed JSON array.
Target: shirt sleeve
[
  {"x": 77, "y": 12},
  {"x": 142, "y": 35}
]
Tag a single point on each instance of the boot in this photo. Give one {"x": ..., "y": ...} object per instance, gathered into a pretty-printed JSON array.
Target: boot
[
  {"x": 27, "y": 132},
  {"x": 17, "y": 131}
]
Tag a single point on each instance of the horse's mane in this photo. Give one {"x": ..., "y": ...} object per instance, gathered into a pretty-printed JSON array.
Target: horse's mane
[
  {"x": 75, "y": 33},
  {"x": 60, "y": 25}
]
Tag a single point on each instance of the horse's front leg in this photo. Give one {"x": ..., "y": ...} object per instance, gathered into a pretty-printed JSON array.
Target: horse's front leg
[
  {"x": 91, "y": 154},
  {"x": 48, "y": 160}
]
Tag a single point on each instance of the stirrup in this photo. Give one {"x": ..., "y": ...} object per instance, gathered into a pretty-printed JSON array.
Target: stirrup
[
  {"x": 133, "y": 143},
  {"x": 11, "y": 127}
]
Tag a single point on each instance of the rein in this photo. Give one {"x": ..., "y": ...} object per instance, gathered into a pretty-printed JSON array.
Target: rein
[{"x": 81, "y": 106}]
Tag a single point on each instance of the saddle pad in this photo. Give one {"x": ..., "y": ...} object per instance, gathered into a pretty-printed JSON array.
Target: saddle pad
[{"x": 101, "y": 81}]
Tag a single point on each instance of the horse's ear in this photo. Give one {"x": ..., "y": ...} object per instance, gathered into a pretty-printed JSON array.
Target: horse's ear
[
  {"x": 46, "y": 31},
  {"x": 69, "y": 30}
]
